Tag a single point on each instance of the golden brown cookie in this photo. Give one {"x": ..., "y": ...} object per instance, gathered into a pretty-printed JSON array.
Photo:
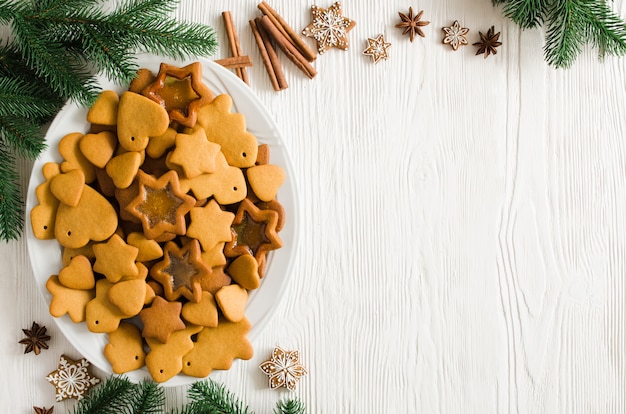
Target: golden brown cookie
[
  {"x": 43, "y": 215},
  {"x": 138, "y": 119},
  {"x": 245, "y": 271},
  {"x": 165, "y": 360},
  {"x": 180, "y": 91},
  {"x": 180, "y": 271},
  {"x": 232, "y": 301},
  {"x": 265, "y": 180},
  {"x": 101, "y": 315},
  {"x": 78, "y": 274},
  {"x": 203, "y": 313},
  {"x": 67, "y": 301},
  {"x": 98, "y": 148},
  {"x": 216, "y": 348},
  {"x": 68, "y": 187},
  {"x": 104, "y": 109},
  {"x": 115, "y": 259},
  {"x": 161, "y": 319},
  {"x": 94, "y": 218},
  {"x": 228, "y": 129},
  {"x": 124, "y": 351},
  {"x": 161, "y": 205},
  {"x": 210, "y": 225}
]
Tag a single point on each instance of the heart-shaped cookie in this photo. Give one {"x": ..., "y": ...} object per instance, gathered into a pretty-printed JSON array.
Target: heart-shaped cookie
[
  {"x": 203, "y": 313},
  {"x": 68, "y": 187},
  {"x": 104, "y": 110},
  {"x": 78, "y": 274},
  {"x": 232, "y": 301}
]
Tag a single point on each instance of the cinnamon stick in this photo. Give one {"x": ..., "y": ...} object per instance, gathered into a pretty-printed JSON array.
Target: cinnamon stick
[
  {"x": 235, "y": 46},
  {"x": 271, "y": 53},
  {"x": 264, "y": 56},
  {"x": 235, "y": 62},
  {"x": 287, "y": 31},
  {"x": 290, "y": 50}
]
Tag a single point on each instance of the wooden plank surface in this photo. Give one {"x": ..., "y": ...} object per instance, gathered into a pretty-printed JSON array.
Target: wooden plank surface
[{"x": 462, "y": 243}]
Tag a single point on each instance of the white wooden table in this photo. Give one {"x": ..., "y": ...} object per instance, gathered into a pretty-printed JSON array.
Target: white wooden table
[{"x": 462, "y": 226}]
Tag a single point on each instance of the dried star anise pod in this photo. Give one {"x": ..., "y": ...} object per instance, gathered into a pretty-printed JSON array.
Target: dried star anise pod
[
  {"x": 412, "y": 24},
  {"x": 36, "y": 339},
  {"x": 43, "y": 410},
  {"x": 488, "y": 43}
]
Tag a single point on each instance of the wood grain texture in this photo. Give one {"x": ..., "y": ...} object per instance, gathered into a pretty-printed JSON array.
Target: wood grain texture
[{"x": 462, "y": 243}]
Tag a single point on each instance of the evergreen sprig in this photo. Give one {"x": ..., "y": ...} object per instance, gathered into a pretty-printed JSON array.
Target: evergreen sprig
[
  {"x": 55, "y": 49},
  {"x": 290, "y": 406},
  {"x": 209, "y": 397},
  {"x": 120, "y": 396},
  {"x": 570, "y": 26}
]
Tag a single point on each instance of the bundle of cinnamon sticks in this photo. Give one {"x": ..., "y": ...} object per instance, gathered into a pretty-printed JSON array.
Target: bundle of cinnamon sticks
[{"x": 271, "y": 27}]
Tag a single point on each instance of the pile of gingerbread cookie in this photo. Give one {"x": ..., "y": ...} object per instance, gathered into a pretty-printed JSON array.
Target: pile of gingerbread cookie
[{"x": 165, "y": 210}]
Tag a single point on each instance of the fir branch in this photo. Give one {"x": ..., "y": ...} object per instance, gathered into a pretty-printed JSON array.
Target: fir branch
[
  {"x": 526, "y": 13},
  {"x": 110, "y": 397},
  {"x": 563, "y": 34},
  {"x": 290, "y": 406},
  {"x": 570, "y": 26},
  {"x": 21, "y": 135},
  {"x": 11, "y": 204},
  {"x": 18, "y": 98},
  {"x": 147, "y": 398},
  {"x": 50, "y": 60},
  {"x": 209, "y": 397},
  {"x": 606, "y": 30}
]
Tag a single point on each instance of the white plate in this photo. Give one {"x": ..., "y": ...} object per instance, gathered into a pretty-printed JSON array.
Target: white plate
[{"x": 45, "y": 255}]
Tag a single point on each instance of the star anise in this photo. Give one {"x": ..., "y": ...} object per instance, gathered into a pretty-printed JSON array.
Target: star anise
[
  {"x": 36, "y": 339},
  {"x": 43, "y": 410},
  {"x": 488, "y": 43},
  {"x": 412, "y": 24}
]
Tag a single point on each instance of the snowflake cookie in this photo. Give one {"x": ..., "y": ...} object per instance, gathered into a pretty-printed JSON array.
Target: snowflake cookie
[
  {"x": 329, "y": 28},
  {"x": 72, "y": 379},
  {"x": 455, "y": 35},
  {"x": 377, "y": 48},
  {"x": 283, "y": 369}
]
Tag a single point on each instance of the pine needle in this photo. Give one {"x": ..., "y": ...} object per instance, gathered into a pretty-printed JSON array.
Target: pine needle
[
  {"x": 209, "y": 397},
  {"x": 11, "y": 204},
  {"x": 110, "y": 397},
  {"x": 290, "y": 406},
  {"x": 570, "y": 25}
]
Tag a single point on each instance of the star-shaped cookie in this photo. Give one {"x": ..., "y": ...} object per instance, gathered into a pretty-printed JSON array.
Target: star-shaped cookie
[
  {"x": 72, "y": 378},
  {"x": 283, "y": 369},
  {"x": 210, "y": 225},
  {"x": 115, "y": 259},
  {"x": 329, "y": 28},
  {"x": 180, "y": 91},
  {"x": 194, "y": 153},
  {"x": 180, "y": 271},
  {"x": 161, "y": 319},
  {"x": 254, "y": 232},
  {"x": 160, "y": 204},
  {"x": 377, "y": 48}
]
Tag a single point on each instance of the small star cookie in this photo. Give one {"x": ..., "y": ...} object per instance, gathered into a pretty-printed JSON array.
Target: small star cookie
[
  {"x": 283, "y": 369},
  {"x": 72, "y": 379},
  {"x": 377, "y": 48}
]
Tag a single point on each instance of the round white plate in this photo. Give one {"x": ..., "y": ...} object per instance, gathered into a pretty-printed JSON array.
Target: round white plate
[{"x": 45, "y": 255}]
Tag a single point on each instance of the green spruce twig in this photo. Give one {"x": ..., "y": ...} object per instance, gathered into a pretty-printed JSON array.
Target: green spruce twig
[
  {"x": 290, "y": 406},
  {"x": 55, "y": 50},
  {"x": 110, "y": 397},
  {"x": 570, "y": 26},
  {"x": 209, "y": 397}
]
